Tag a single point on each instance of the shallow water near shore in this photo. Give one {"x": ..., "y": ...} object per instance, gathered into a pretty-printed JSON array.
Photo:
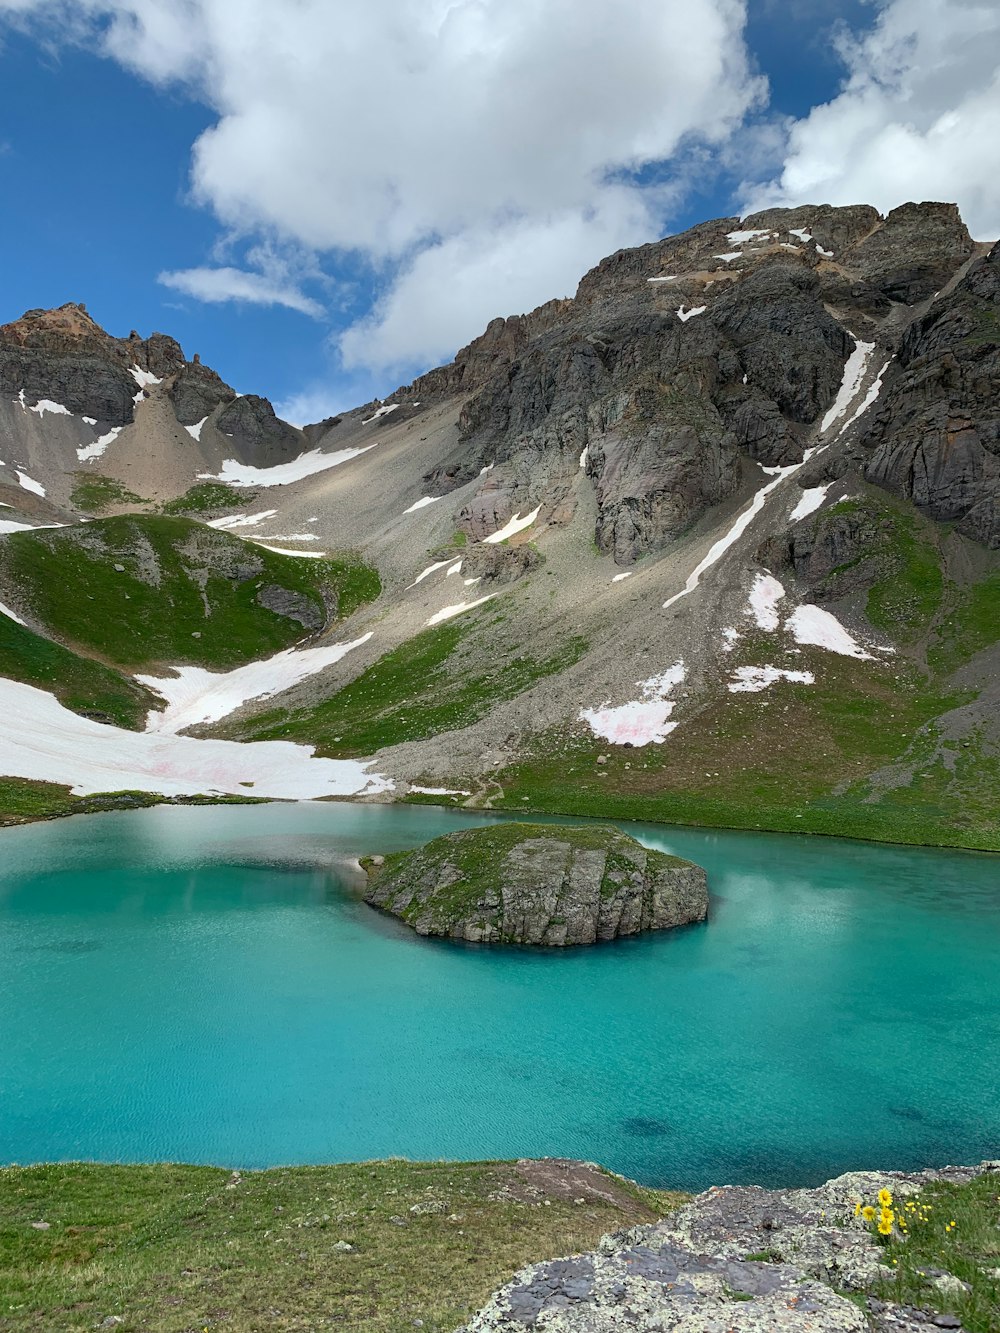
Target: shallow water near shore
[{"x": 203, "y": 985}]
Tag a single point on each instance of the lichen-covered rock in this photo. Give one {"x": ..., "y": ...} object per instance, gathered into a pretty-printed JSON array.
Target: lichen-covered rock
[
  {"x": 538, "y": 884},
  {"x": 734, "y": 1260}
]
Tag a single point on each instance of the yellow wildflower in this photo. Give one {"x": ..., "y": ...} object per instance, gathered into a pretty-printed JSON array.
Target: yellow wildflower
[
  {"x": 868, "y": 1212},
  {"x": 885, "y": 1198},
  {"x": 857, "y": 1209},
  {"x": 885, "y": 1225}
]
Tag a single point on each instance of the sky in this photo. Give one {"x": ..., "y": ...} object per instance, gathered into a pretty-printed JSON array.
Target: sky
[{"x": 325, "y": 199}]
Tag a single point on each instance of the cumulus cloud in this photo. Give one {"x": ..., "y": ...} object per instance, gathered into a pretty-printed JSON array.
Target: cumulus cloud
[
  {"x": 918, "y": 117},
  {"x": 234, "y": 284},
  {"x": 458, "y": 144}
]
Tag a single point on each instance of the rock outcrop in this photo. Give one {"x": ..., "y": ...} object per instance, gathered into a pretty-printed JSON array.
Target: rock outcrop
[
  {"x": 538, "y": 884},
  {"x": 734, "y": 1260}
]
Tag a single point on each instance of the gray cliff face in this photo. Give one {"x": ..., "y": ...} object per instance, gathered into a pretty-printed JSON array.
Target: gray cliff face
[
  {"x": 535, "y": 884},
  {"x": 658, "y": 398},
  {"x": 261, "y": 438},
  {"x": 935, "y": 438}
]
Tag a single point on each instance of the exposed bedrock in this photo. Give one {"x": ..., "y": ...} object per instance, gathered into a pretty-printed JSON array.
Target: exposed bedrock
[
  {"x": 935, "y": 436},
  {"x": 538, "y": 884},
  {"x": 259, "y": 437}
]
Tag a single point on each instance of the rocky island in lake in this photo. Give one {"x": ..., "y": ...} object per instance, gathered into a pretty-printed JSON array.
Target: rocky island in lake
[{"x": 537, "y": 884}]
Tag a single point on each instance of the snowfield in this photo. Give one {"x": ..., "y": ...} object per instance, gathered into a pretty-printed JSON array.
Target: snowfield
[
  {"x": 812, "y": 625},
  {"x": 196, "y": 696},
  {"x": 642, "y": 721},
  {"x": 41, "y": 740},
  {"x": 283, "y": 474}
]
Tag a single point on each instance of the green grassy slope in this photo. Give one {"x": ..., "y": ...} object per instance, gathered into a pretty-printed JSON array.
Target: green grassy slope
[
  {"x": 79, "y": 683},
  {"x": 167, "y": 1249},
  {"x": 144, "y": 589}
]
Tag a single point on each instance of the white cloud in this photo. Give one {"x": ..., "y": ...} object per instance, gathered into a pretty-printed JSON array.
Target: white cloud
[
  {"x": 235, "y": 284},
  {"x": 918, "y": 117},
  {"x": 421, "y": 134}
]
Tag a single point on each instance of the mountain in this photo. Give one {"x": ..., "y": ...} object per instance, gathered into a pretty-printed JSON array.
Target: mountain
[{"x": 717, "y": 541}]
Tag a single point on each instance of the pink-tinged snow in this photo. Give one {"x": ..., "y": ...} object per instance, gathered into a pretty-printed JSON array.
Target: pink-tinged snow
[
  {"x": 745, "y": 237},
  {"x": 11, "y": 615},
  {"x": 732, "y": 637},
  {"x": 618, "y": 578},
  {"x": 283, "y": 474},
  {"x": 684, "y": 315},
  {"x": 456, "y": 568},
  {"x": 380, "y": 412},
  {"x": 718, "y": 550},
  {"x": 729, "y": 256},
  {"x": 425, "y": 573},
  {"x": 196, "y": 696},
  {"x": 812, "y": 625},
  {"x": 241, "y": 520},
  {"x": 35, "y": 487},
  {"x": 751, "y": 680},
  {"x": 670, "y": 278},
  {"x": 195, "y": 430},
  {"x": 284, "y": 550},
  {"x": 91, "y": 451},
  {"x": 809, "y": 502},
  {"x": 440, "y": 791},
  {"x": 854, "y": 373},
  {"x": 449, "y": 611},
  {"x": 422, "y": 503},
  {"x": 47, "y": 405},
  {"x": 642, "y": 721},
  {"x": 143, "y": 377},
  {"x": 41, "y": 740},
  {"x": 765, "y": 595},
  {"x": 516, "y": 524}
]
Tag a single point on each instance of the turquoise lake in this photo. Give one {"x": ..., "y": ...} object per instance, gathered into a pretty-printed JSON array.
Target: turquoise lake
[{"x": 200, "y": 984}]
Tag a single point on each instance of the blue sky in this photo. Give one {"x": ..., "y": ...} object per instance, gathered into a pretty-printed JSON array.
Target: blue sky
[{"x": 335, "y": 206}]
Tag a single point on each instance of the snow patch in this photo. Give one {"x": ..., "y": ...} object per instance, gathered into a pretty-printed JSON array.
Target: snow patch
[
  {"x": 812, "y": 625},
  {"x": 643, "y": 721},
  {"x": 732, "y": 637},
  {"x": 672, "y": 278},
  {"x": 380, "y": 412},
  {"x": 488, "y": 468},
  {"x": 456, "y": 568},
  {"x": 584, "y": 455},
  {"x": 854, "y": 373},
  {"x": 196, "y": 696},
  {"x": 422, "y": 503},
  {"x": 8, "y": 525},
  {"x": 195, "y": 430},
  {"x": 143, "y": 377},
  {"x": 284, "y": 550},
  {"x": 730, "y": 256},
  {"x": 241, "y": 520},
  {"x": 89, "y": 421},
  {"x": 438, "y": 564},
  {"x": 91, "y": 451},
  {"x": 47, "y": 405},
  {"x": 440, "y": 791},
  {"x": 801, "y": 233},
  {"x": 751, "y": 680},
  {"x": 469, "y": 582},
  {"x": 809, "y": 502},
  {"x": 35, "y": 487},
  {"x": 11, "y": 615},
  {"x": 283, "y": 474},
  {"x": 869, "y": 398},
  {"x": 684, "y": 315},
  {"x": 447, "y": 612},
  {"x": 516, "y": 524},
  {"x": 41, "y": 740},
  {"x": 827, "y": 254},
  {"x": 745, "y": 237},
  {"x": 618, "y": 577},
  {"x": 765, "y": 595}
]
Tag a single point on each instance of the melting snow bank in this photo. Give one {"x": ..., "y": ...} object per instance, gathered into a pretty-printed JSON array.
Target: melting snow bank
[
  {"x": 440, "y": 791},
  {"x": 751, "y": 680},
  {"x": 41, "y": 740},
  {"x": 854, "y": 373},
  {"x": 765, "y": 595},
  {"x": 447, "y": 612},
  {"x": 812, "y": 625},
  {"x": 195, "y": 696},
  {"x": 810, "y": 501},
  {"x": 422, "y": 503},
  {"x": 516, "y": 524},
  {"x": 643, "y": 721},
  {"x": 283, "y": 474},
  {"x": 95, "y": 450},
  {"x": 195, "y": 430},
  {"x": 11, "y": 615},
  {"x": 241, "y": 520}
]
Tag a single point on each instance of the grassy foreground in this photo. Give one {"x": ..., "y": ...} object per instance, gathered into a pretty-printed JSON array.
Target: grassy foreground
[{"x": 178, "y": 1249}]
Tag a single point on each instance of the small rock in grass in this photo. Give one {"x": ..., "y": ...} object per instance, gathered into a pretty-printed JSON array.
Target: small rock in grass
[
  {"x": 41, "y": 1226},
  {"x": 344, "y": 1246},
  {"x": 951, "y": 1285}
]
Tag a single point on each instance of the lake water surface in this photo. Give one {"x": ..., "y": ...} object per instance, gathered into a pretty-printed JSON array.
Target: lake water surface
[{"x": 200, "y": 984}]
